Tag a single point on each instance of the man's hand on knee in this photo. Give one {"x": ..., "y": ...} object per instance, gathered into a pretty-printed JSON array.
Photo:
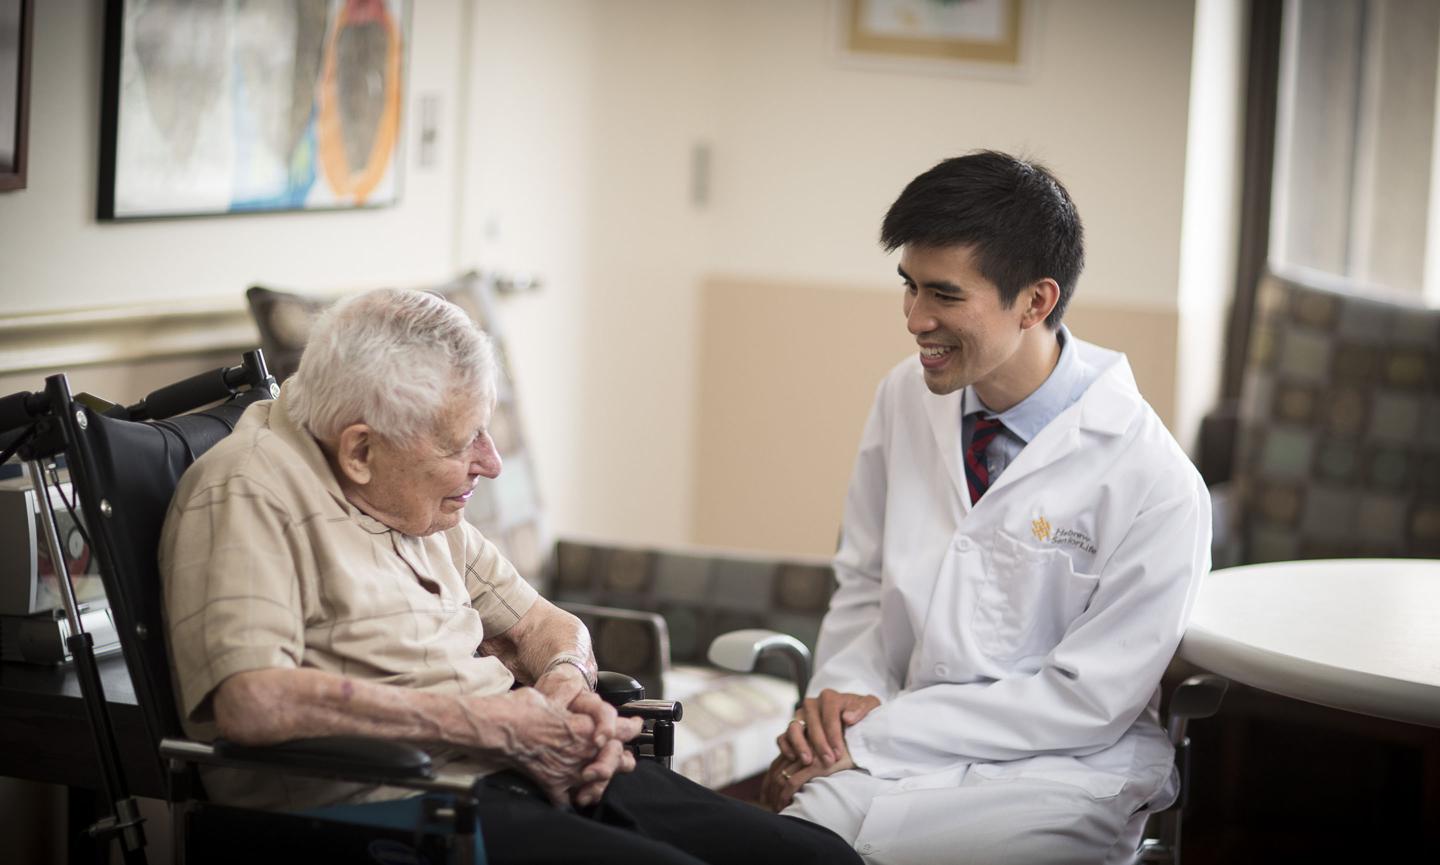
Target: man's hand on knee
[
  {"x": 787, "y": 776},
  {"x": 819, "y": 726}
]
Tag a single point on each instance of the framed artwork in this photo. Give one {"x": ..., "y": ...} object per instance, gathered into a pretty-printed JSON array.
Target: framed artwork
[
  {"x": 231, "y": 106},
  {"x": 17, "y": 19},
  {"x": 949, "y": 35}
]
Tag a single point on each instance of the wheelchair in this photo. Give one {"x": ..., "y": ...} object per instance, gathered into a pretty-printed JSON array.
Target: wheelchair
[{"x": 124, "y": 463}]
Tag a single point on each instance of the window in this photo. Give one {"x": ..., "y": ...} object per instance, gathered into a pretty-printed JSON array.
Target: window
[{"x": 1355, "y": 142}]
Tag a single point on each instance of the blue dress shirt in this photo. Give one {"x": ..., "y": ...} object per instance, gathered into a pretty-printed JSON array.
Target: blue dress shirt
[{"x": 1023, "y": 421}]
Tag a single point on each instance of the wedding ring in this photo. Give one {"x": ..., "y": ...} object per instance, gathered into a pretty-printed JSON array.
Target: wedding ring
[
  {"x": 800, "y": 721},
  {"x": 784, "y": 774}
]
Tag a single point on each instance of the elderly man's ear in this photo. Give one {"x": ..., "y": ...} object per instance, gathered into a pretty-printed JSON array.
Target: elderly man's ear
[{"x": 354, "y": 451}]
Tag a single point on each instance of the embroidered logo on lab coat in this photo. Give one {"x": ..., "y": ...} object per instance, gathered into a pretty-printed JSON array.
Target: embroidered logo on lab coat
[
  {"x": 1040, "y": 529},
  {"x": 1074, "y": 538},
  {"x": 1043, "y": 531}
]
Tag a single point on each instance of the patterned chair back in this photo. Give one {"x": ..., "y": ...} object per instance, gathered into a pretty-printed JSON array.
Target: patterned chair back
[
  {"x": 701, "y": 594},
  {"x": 1339, "y": 449}
]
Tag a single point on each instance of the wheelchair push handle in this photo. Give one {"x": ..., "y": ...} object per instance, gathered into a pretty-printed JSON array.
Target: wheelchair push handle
[
  {"x": 21, "y": 409},
  {"x": 205, "y": 388}
]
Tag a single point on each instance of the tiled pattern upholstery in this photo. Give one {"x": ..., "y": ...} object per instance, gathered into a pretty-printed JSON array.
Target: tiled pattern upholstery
[
  {"x": 730, "y": 721},
  {"x": 1339, "y": 454},
  {"x": 508, "y": 510},
  {"x": 701, "y": 594}
]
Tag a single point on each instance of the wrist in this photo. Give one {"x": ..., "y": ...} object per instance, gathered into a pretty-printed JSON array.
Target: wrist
[
  {"x": 486, "y": 724},
  {"x": 570, "y": 662}
]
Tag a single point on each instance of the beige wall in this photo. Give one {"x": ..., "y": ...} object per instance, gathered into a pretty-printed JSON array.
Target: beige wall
[
  {"x": 812, "y": 150},
  {"x": 781, "y": 419}
]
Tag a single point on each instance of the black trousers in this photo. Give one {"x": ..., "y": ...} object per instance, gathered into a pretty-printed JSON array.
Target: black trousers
[{"x": 649, "y": 815}]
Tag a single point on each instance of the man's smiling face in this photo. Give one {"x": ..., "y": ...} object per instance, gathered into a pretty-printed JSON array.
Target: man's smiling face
[{"x": 966, "y": 334}]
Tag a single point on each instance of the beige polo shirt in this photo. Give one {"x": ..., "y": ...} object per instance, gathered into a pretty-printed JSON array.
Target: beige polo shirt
[{"x": 265, "y": 564}]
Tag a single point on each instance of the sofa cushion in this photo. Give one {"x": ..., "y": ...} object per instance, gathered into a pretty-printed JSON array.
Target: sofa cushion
[{"x": 731, "y": 721}]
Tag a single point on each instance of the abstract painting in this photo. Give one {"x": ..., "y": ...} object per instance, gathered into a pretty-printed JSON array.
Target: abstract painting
[{"x": 228, "y": 106}]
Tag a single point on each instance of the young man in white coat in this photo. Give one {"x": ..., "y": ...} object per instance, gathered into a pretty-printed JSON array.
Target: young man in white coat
[{"x": 1022, "y": 543}]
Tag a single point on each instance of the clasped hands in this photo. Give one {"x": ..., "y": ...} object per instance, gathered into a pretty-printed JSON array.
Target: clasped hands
[
  {"x": 569, "y": 739},
  {"x": 813, "y": 744}
]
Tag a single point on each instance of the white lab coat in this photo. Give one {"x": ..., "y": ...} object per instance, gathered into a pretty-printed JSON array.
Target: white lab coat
[{"x": 1024, "y": 637}]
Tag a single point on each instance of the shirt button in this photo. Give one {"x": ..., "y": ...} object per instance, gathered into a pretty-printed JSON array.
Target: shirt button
[
  {"x": 942, "y": 670},
  {"x": 963, "y": 545},
  {"x": 867, "y": 848}
]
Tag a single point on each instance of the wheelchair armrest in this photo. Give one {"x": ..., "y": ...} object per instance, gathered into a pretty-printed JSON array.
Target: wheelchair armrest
[
  {"x": 658, "y": 716},
  {"x": 354, "y": 759},
  {"x": 377, "y": 758},
  {"x": 1198, "y": 696},
  {"x": 628, "y": 698}
]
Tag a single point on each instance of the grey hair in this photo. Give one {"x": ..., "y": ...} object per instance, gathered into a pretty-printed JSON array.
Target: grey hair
[{"x": 392, "y": 359}]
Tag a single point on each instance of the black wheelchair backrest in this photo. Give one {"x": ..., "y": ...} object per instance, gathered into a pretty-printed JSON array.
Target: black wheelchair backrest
[{"x": 125, "y": 473}]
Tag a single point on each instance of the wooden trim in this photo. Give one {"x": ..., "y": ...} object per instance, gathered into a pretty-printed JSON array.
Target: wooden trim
[{"x": 66, "y": 339}]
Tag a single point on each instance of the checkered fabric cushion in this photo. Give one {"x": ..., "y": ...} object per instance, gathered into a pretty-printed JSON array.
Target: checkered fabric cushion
[
  {"x": 1339, "y": 451},
  {"x": 701, "y": 594},
  {"x": 508, "y": 510},
  {"x": 731, "y": 720}
]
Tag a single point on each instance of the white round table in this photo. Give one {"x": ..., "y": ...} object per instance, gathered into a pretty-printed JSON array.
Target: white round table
[{"x": 1361, "y": 635}]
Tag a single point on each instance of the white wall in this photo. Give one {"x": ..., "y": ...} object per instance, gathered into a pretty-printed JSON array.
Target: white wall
[
  {"x": 56, "y": 256},
  {"x": 583, "y": 119},
  {"x": 812, "y": 152}
]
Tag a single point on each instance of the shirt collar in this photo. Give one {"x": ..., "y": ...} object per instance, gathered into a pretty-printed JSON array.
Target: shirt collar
[{"x": 1060, "y": 389}]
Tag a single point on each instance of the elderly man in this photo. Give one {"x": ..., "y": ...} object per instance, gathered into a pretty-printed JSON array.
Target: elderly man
[{"x": 320, "y": 580}]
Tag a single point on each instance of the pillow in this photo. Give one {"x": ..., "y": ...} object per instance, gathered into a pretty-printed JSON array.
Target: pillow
[{"x": 507, "y": 510}]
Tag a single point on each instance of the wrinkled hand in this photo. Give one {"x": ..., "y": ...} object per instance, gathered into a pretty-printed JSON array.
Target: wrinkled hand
[
  {"x": 819, "y": 726},
  {"x": 565, "y": 687},
  {"x": 786, "y": 776}
]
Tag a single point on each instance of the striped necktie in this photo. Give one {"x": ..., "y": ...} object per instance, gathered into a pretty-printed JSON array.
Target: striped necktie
[{"x": 977, "y": 473}]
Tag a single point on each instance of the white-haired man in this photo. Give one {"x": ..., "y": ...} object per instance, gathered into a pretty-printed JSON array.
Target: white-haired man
[{"x": 320, "y": 580}]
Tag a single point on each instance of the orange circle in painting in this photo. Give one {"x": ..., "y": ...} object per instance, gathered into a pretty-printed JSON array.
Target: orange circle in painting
[{"x": 344, "y": 179}]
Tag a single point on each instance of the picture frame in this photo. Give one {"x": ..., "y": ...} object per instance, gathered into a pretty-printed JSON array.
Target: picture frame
[
  {"x": 986, "y": 38},
  {"x": 17, "y": 22},
  {"x": 231, "y": 107}
]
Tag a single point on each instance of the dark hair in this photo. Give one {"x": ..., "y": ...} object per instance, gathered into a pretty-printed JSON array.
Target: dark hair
[{"x": 1015, "y": 213}]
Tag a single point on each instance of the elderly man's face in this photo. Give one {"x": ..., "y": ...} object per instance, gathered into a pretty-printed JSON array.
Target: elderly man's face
[{"x": 421, "y": 488}]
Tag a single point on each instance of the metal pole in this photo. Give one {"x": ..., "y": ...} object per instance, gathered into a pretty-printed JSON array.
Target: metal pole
[
  {"x": 52, "y": 543},
  {"x": 125, "y": 820}
]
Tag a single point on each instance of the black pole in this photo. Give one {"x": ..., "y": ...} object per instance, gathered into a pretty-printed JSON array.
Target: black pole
[{"x": 124, "y": 821}]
